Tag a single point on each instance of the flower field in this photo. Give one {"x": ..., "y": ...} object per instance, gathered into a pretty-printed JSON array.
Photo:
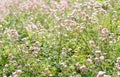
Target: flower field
[{"x": 59, "y": 38}]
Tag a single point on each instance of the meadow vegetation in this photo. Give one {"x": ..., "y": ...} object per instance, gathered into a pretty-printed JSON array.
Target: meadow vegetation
[{"x": 60, "y": 38}]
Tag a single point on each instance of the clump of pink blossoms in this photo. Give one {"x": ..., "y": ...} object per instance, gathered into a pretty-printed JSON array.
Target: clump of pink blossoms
[
  {"x": 83, "y": 68},
  {"x": 12, "y": 34},
  {"x": 63, "y": 4},
  {"x": 32, "y": 27},
  {"x": 105, "y": 31}
]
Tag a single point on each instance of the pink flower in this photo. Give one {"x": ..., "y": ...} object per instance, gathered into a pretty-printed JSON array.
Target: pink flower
[
  {"x": 70, "y": 22},
  {"x": 1, "y": 8},
  {"x": 31, "y": 27},
  {"x": 14, "y": 33},
  {"x": 63, "y": 4},
  {"x": 105, "y": 31},
  {"x": 83, "y": 68},
  {"x": 83, "y": 14}
]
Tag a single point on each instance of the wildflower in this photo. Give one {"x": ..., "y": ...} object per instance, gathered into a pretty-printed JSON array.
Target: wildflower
[
  {"x": 102, "y": 58},
  {"x": 32, "y": 27},
  {"x": 47, "y": 72},
  {"x": 97, "y": 51},
  {"x": 63, "y": 4},
  {"x": 37, "y": 43},
  {"x": 77, "y": 64},
  {"x": 106, "y": 76},
  {"x": 14, "y": 33},
  {"x": 100, "y": 73},
  {"x": 18, "y": 71},
  {"x": 63, "y": 54},
  {"x": 64, "y": 65},
  {"x": 83, "y": 14},
  {"x": 105, "y": 31},
  {"x": 11, "y": 56},
  {"x": 110, "y": 42},
  {"x": 35, "y": 53},
  {"x": 117, "y": 66},
  {"x": 74, "y": 12},
  {"x": 6, "y": 65},
  {"x": 89, "y": 61},
  {"x": 83, "y": 68},
  {"x": 111, "y": 36},
  {"x": 118, "y": 60},
  {"x": 36, "y": 48},
  {"x": 92, "y": 44},
  {"x": 14, "y": 74},
  {"x": 82, "y": 28},
  {"x": 70, "y": 22},
  {"x": 97, "y": 60},
  {"x": 104, "y": 54}
]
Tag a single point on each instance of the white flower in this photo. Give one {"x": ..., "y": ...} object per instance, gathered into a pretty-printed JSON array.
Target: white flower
[
  {"x": 100, "y": 73},
  {"x": 19, "y": 71},
  {"x": 89, "y": 61},
  {"x": 106, "y": 76},
  {"x": 97, "y": 51},
  {"x": 102, "y": 58}
]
